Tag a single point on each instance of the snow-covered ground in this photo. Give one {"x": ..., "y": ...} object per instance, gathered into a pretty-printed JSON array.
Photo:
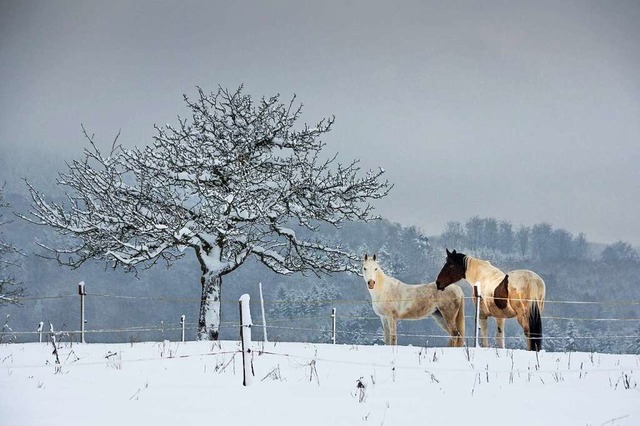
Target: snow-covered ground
[{"x": 170, "y": 383}]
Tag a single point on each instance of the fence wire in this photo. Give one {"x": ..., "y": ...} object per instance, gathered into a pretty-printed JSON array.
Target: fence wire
[
  {"x": 318, "y": 301},
  {"x": 321, "y": 325}
]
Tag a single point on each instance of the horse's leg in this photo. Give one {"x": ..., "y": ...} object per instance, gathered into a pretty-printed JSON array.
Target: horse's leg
[
  {"x": 459, "y": 324},
  {"x": 448, "y": 324},
  {"x": 385, "y": 327},
  {"x": 393, "y": 329},
  {"x": 445, "y": 323},
  {"x": 484, "y": 331},
  {"x": 500, "y": 332}
]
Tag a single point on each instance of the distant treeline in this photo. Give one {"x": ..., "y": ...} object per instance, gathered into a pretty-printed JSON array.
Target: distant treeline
[{"x": 539, "y": 242}]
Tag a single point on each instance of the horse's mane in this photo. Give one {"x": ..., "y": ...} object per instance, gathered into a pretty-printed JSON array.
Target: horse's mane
[{"x": 478, "y": 262}]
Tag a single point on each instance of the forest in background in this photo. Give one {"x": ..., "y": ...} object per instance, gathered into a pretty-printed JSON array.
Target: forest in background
[{"x": 592, "y": 294}]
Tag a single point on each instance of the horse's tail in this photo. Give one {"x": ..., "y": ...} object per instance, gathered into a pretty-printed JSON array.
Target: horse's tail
[
  {"x": 535, "y": 325},
  {"x": 460, "y": 323}
]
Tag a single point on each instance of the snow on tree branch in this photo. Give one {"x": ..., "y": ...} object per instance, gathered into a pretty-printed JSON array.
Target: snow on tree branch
[
  {"x": 10, "y": 287},
  {"x": 229, "y": 182}
]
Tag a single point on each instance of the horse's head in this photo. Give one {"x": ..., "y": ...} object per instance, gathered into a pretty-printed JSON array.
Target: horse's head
[
  {"x": 454, "y": 270},
  {"x": 370, "y": 271}
]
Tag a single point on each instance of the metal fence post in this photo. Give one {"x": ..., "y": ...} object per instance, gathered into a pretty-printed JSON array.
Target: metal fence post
[
  {"x": 82, "y": 292},
  {"x": 476, "y": 294},
  {"x": 264, "y": 322},
  {"x": 245, "y": 337},
  {"x": 333, "y": 320}
]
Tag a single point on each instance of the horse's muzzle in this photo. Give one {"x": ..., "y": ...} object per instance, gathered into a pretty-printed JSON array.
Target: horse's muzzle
[{"x": 371, "y": 284}]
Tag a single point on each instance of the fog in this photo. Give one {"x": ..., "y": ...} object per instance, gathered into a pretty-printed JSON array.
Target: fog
[{"x": 526, "y": 112}]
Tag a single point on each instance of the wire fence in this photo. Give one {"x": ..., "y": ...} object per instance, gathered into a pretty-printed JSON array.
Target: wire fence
[{"x": 356, "y": 323}]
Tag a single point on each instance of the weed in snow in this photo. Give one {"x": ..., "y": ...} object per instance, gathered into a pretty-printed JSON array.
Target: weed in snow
[
  {"x": 114, "y": 360},
  {"x": 432, "y": 376},
  {"x": 624, "y": 380},
  {"x": 220, "y": 368},
  {"x": 614, "y": 420},
  {"x": 166, "y": 350},
  {"x": 384, "y": 415},
  {"x": 361, "y": 390},
  {"x": 467, "y": 355},
  {"x": 74, "y": 354},
  {"x": 136, "y": 395},
  {"x": 557, "y": 377},
  {"x": 422, "y": 354},
  {"x": 273, "y": 374},
  {"x": 313, "y": 372}
]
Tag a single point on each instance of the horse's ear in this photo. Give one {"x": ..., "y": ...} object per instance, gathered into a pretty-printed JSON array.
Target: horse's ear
[
  {"x": 374, "y": 257},
  {"x": 454, "y": 251},
  {"x": 366, "y": 256},
  {"x": 448, "y": 252}
]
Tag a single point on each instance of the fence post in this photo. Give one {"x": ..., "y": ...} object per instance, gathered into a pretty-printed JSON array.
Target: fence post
[
  {"x": 182, "y": 318},
  {"x": 333, "y": 320},
  {"x": 476, "y": 294},
  {"x": 52, "y": 336},
  {"x": 40, "y": 325},
  {"x": 82, "y": 292},
  {"x": 264, "y": 322},
  {"x": 245, "y": 337}
]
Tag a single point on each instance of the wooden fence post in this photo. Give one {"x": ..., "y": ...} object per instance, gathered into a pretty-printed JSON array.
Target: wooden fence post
[
  {"x": 476, "y": 294},
  {"x": 245, "y": 337},
  {"x": 52, "y": 335},
  {"x": 40, "y": 325},
  {"x": 182, "y": 318}
]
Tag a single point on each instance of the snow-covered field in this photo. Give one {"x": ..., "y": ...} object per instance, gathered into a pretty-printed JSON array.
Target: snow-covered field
[{"x": 170, "y": 383}]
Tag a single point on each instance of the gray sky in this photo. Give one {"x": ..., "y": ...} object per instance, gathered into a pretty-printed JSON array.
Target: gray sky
[{"x": 523, "y": 111}]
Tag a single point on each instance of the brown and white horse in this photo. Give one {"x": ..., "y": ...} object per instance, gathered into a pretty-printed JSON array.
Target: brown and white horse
[
  {"x": 394, "y": 300},
  {"x": 519, "y": 294}
]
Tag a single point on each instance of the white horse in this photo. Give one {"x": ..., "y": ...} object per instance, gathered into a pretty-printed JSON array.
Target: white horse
[{"x": 393, "y": 300}]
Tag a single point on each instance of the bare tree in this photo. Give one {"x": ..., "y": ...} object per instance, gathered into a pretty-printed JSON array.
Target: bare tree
[
  {"x": 10, "y": 287},
  {"x": 453, "y": 235},
  {"x": 236, "y": 180}
]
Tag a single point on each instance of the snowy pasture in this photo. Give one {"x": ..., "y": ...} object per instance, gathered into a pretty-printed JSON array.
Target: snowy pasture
[{"x": 168, "y": 383}]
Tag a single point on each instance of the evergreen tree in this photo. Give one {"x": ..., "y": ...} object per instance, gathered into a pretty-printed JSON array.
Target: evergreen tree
[{"x": 572, "y": 339}]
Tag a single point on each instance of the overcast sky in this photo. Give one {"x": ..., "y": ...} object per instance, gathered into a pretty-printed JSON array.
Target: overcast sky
[{"x": 523, "y": 111}]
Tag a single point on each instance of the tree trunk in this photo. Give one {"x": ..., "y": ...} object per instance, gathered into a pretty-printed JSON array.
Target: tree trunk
[{"x": 209, "y": 319}]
